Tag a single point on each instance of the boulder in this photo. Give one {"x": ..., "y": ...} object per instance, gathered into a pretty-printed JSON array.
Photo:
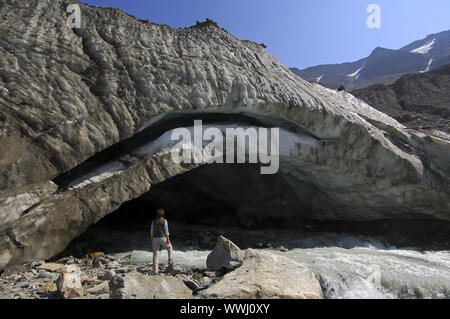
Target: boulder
[
  {"x": 108, "y": 275},
  {"x": 47, "y": 288},
  {"x": 100, "y": 289},
  {"x": 264, "y": 275},
  {"x": 88, "y": 279},
  {"x": 69, "y": 282},
  {"x": 51, "y": 267},
  {"x": 191, "y": 284},
  {"x": 138, "y": 286},
  {"x": 47, "y": 275},
  {"x": 113, "y": 264},
  {"x": 226, "y": 255}
]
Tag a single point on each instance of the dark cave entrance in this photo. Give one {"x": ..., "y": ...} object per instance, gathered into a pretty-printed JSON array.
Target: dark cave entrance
[
  {"x": 210, "y": 198},
  {"x": 218, "y": 194}
]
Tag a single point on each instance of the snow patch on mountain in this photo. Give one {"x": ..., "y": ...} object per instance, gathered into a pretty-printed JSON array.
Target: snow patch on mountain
[
  {"x": 319, "y": 78},
  {"x": 424, "y": 49},
  {"x": 355, "y": 74},
  {"x": 428, "y": 66}
]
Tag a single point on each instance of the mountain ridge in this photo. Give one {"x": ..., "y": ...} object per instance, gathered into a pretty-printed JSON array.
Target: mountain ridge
[
  {"x": 419, "y": 101},
  {"x": 383, "y": 65}
]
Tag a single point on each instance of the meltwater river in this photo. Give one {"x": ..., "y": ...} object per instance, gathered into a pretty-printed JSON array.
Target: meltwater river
[{"x": 354, "y": 266}]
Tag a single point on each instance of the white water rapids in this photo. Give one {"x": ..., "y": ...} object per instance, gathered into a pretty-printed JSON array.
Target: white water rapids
[{"x": 354, "y": 266}]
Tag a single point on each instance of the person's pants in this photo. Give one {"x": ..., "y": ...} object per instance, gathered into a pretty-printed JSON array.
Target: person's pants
[{"x": 157, "y": 245}]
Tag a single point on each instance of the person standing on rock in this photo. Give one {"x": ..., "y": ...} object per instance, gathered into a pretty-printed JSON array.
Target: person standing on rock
[{"x": 159, "y": 234}]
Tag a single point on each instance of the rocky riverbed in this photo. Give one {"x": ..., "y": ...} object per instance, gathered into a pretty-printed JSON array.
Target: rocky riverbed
[
  {"x": 346, "y": 265},
  {"x": 129, "y": 276},
  {"x": 128, "y": 252},
  {"x": 39, "y": 280}
]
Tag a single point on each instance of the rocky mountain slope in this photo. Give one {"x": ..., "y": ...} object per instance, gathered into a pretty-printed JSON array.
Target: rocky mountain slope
[
  {"x": 85, "y": 113},
  {"x": 384, "y": 65},
  {"x": 420, "y": 101}
]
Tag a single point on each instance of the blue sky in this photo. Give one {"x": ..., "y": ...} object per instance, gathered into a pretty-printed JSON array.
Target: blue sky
[{"x": 302, "y": 33}]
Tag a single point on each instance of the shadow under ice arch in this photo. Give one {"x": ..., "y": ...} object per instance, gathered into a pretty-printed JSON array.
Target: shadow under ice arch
[{"x": 323, "y": 179}]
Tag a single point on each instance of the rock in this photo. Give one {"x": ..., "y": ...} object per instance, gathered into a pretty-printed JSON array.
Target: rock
[
  {"x": 176, "y": 269},
  {"x": 144, "y": 269},
  {"x": 213, "y": 274},
  {"x": 281, "y": 248},
  {"x": 36, "y": 264},
  {"x": 94, "y": 255},
  {"x": 47, "y": 287},
  {"x": 24, "y": 285},
  {"x": 88, "y": 279},
  {"x": 111, "y": 258},
  {"x": 124, "y": 270},
  {"x": 69, "y": 282},
  {"x": 183, "y": 277},
  {"x": 13, "y": 270},
  {"x": 205, "y": 281},
  {"x": 108, "y": 275},
  {"x": 197, "y": 277},
  {"x": 100, "y": 289},
  {"x": 103, "y": 260},
  {"x": 54, "y": 267},
  {"x": 234, "y": 264},
  {"x": 113, "y": 265},
  {"x": 47, "y": 275},
  {"x": 191, "y": 284},
  {"x": 258, "y": 245},
  {"x": 65, "y": 260},
  {"x": 264, "y": 275},
  {"x": 226, "y": 255},
  {"x": 137, "y": 286}
]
